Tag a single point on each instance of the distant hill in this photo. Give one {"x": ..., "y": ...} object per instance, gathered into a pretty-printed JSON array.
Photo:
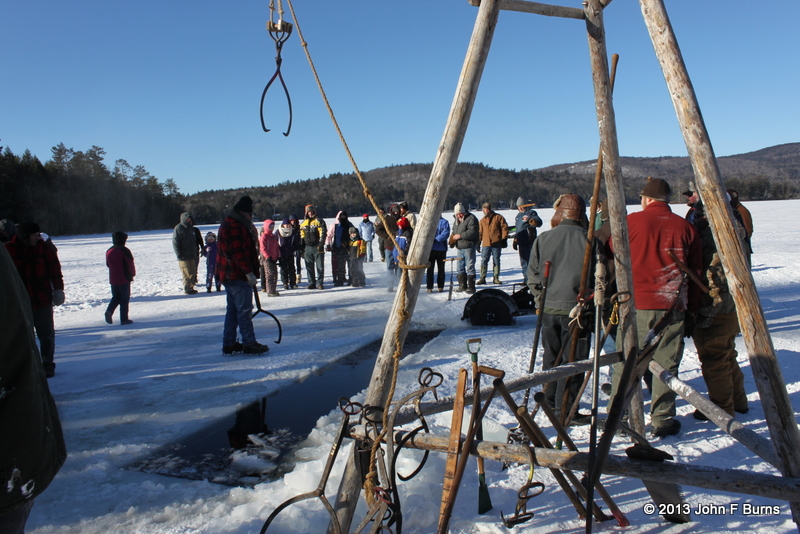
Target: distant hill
[{"x": 769, "y": 173}]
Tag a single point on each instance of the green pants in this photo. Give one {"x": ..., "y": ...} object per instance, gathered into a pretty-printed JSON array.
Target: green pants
[
  {"x": 669, "y": 353},
  {"x": 716, "y": 349}
]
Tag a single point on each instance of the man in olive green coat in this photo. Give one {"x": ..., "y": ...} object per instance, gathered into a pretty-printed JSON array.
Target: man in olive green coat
[
  {"x": 32, "y": 446},
  {"x": 185, "y": 245}
]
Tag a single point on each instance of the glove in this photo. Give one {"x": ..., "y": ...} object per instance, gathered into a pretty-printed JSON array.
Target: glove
[
  {"x": 251, "y": 279},
  {"x": 514, "y": 244},
  {"x": 58, "y": 297},
  {"x": 328, "y": 248}
]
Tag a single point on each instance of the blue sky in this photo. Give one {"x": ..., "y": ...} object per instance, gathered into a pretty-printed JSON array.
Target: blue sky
[{"x": 175, "y": 85}]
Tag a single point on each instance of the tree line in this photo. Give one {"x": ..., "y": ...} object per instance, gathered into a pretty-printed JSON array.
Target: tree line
[{"x": 76, "y": 193}]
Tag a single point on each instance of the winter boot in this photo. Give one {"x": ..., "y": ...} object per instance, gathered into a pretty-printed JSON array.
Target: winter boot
[
  {"x": 471, "y": 284},
  {"x": 230, "y": 349},
  {"x": 496, "y": 275},
  {"x": 298, "y": 278},
  {"x": 255, "y": 348},
  {"x": 462, "y": 282},
  {"x": 483, "y": 276}
]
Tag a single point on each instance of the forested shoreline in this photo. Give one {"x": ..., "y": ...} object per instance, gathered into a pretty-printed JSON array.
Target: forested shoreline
[{"x": 75, "y": 192}]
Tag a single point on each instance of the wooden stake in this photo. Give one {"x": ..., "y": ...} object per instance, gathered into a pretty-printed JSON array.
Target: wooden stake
[
  {"x": 763, "y": 361},
  {"x": 430, "y": 212}
]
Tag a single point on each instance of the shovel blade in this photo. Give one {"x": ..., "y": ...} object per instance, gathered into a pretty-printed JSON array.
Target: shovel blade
[{"x": 484, "y": 500}]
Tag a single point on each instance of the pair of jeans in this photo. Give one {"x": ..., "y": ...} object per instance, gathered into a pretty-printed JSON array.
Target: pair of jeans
[
  {"x": 494, "y": 252},
  {"x": 466, "y": 260},
  {"x": 239, "y": 313}
]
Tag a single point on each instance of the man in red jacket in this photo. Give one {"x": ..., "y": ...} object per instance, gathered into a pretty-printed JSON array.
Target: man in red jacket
[
  {"x": 40, "y": 270},
  {"x": 659, "y": 285},
  {"x": 237, "y": 265}
]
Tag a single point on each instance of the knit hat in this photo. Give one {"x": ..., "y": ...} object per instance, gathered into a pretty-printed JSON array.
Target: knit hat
[
  {"x": 459, "y": 208},
  {"x": 403, "y": 223},
  {"x": 292, "y": 217},
  {"x": 486, "y": 205},
  {"x": 520, "y": 202},
  {"x": 211, "y": 235},
  {"x": 657, "y": 189},
  {"x": 27, "y": 229},
  {"x": 245, "y": 205},
  {"x": 366, "y": 216},
  {"x": 569, "y": 206},
  {"x": 353, "y": 230},
  {"x": 310, "y": 207},
  {"x": 119, "y": 238}
]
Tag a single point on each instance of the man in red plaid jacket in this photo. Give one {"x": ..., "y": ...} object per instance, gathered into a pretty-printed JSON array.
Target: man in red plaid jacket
[
  {"x": 40, "y": 270},
  {"x": 237, "y": 265}
]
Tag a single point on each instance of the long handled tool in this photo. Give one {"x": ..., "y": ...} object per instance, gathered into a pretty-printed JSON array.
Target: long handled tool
[
  {"x": 564, "y": 436},
  {"x": 540, "y": 314},
  {"x": 484, "y": 499},
  {"x": 259, "y": 309},
  {"x": 516, "y": 434},
  {"x": 450, "y": 293},
  {"x": 590, "y": 241},
  {"x": 450, "y": 485},
  {"x": 599, "y": 297}
]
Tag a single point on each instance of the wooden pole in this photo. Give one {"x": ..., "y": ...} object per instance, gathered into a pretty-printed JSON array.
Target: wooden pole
[
  {"x": 763, "y": 361},
  {"x": 430, "y": 212},
  {"x": 615, "y": 189},
  {"x": 711, "y": 478},
  {"x": 726, "y": 422}
]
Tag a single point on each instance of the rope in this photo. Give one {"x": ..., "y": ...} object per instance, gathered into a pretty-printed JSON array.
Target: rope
[{"x": 372, "y": 476}]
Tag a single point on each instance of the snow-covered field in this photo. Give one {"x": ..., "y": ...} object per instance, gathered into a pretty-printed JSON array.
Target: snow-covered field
[{"x": 123, "y": 392}]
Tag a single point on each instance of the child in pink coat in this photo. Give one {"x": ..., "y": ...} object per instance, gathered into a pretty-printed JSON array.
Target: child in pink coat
[{"x": 270, "y": 252}]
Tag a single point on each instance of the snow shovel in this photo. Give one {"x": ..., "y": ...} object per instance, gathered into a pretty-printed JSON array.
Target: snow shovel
[
  {"x": 484, "y": 500},
  {"x": 259, "y": 309}
]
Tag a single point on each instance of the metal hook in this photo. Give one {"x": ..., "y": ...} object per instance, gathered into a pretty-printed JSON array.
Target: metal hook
[{"x": 279, "y": 32}]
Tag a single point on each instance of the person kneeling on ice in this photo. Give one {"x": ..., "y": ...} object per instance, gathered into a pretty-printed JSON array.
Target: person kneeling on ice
[{"x": 237, "y": 265}]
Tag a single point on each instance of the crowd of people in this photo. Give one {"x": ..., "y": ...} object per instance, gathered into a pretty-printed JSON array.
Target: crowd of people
[{"x": 676, "y": 272}]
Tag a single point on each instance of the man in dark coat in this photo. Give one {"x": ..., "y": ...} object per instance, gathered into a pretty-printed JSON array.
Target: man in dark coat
[
  {"x": 465, "y": 238},
  {"x": 526, "y": 222},
  {"x": 184, "y": 243},
  {"x": 715, "y": 330},
  {"x": 237, "y": 267},
  {"x": 32, "y": 446},
  {"x": 38, "y": 266}
]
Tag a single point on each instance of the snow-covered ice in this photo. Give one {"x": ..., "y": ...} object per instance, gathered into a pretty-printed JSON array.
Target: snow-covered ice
[{"x": 123, "y": 392}]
